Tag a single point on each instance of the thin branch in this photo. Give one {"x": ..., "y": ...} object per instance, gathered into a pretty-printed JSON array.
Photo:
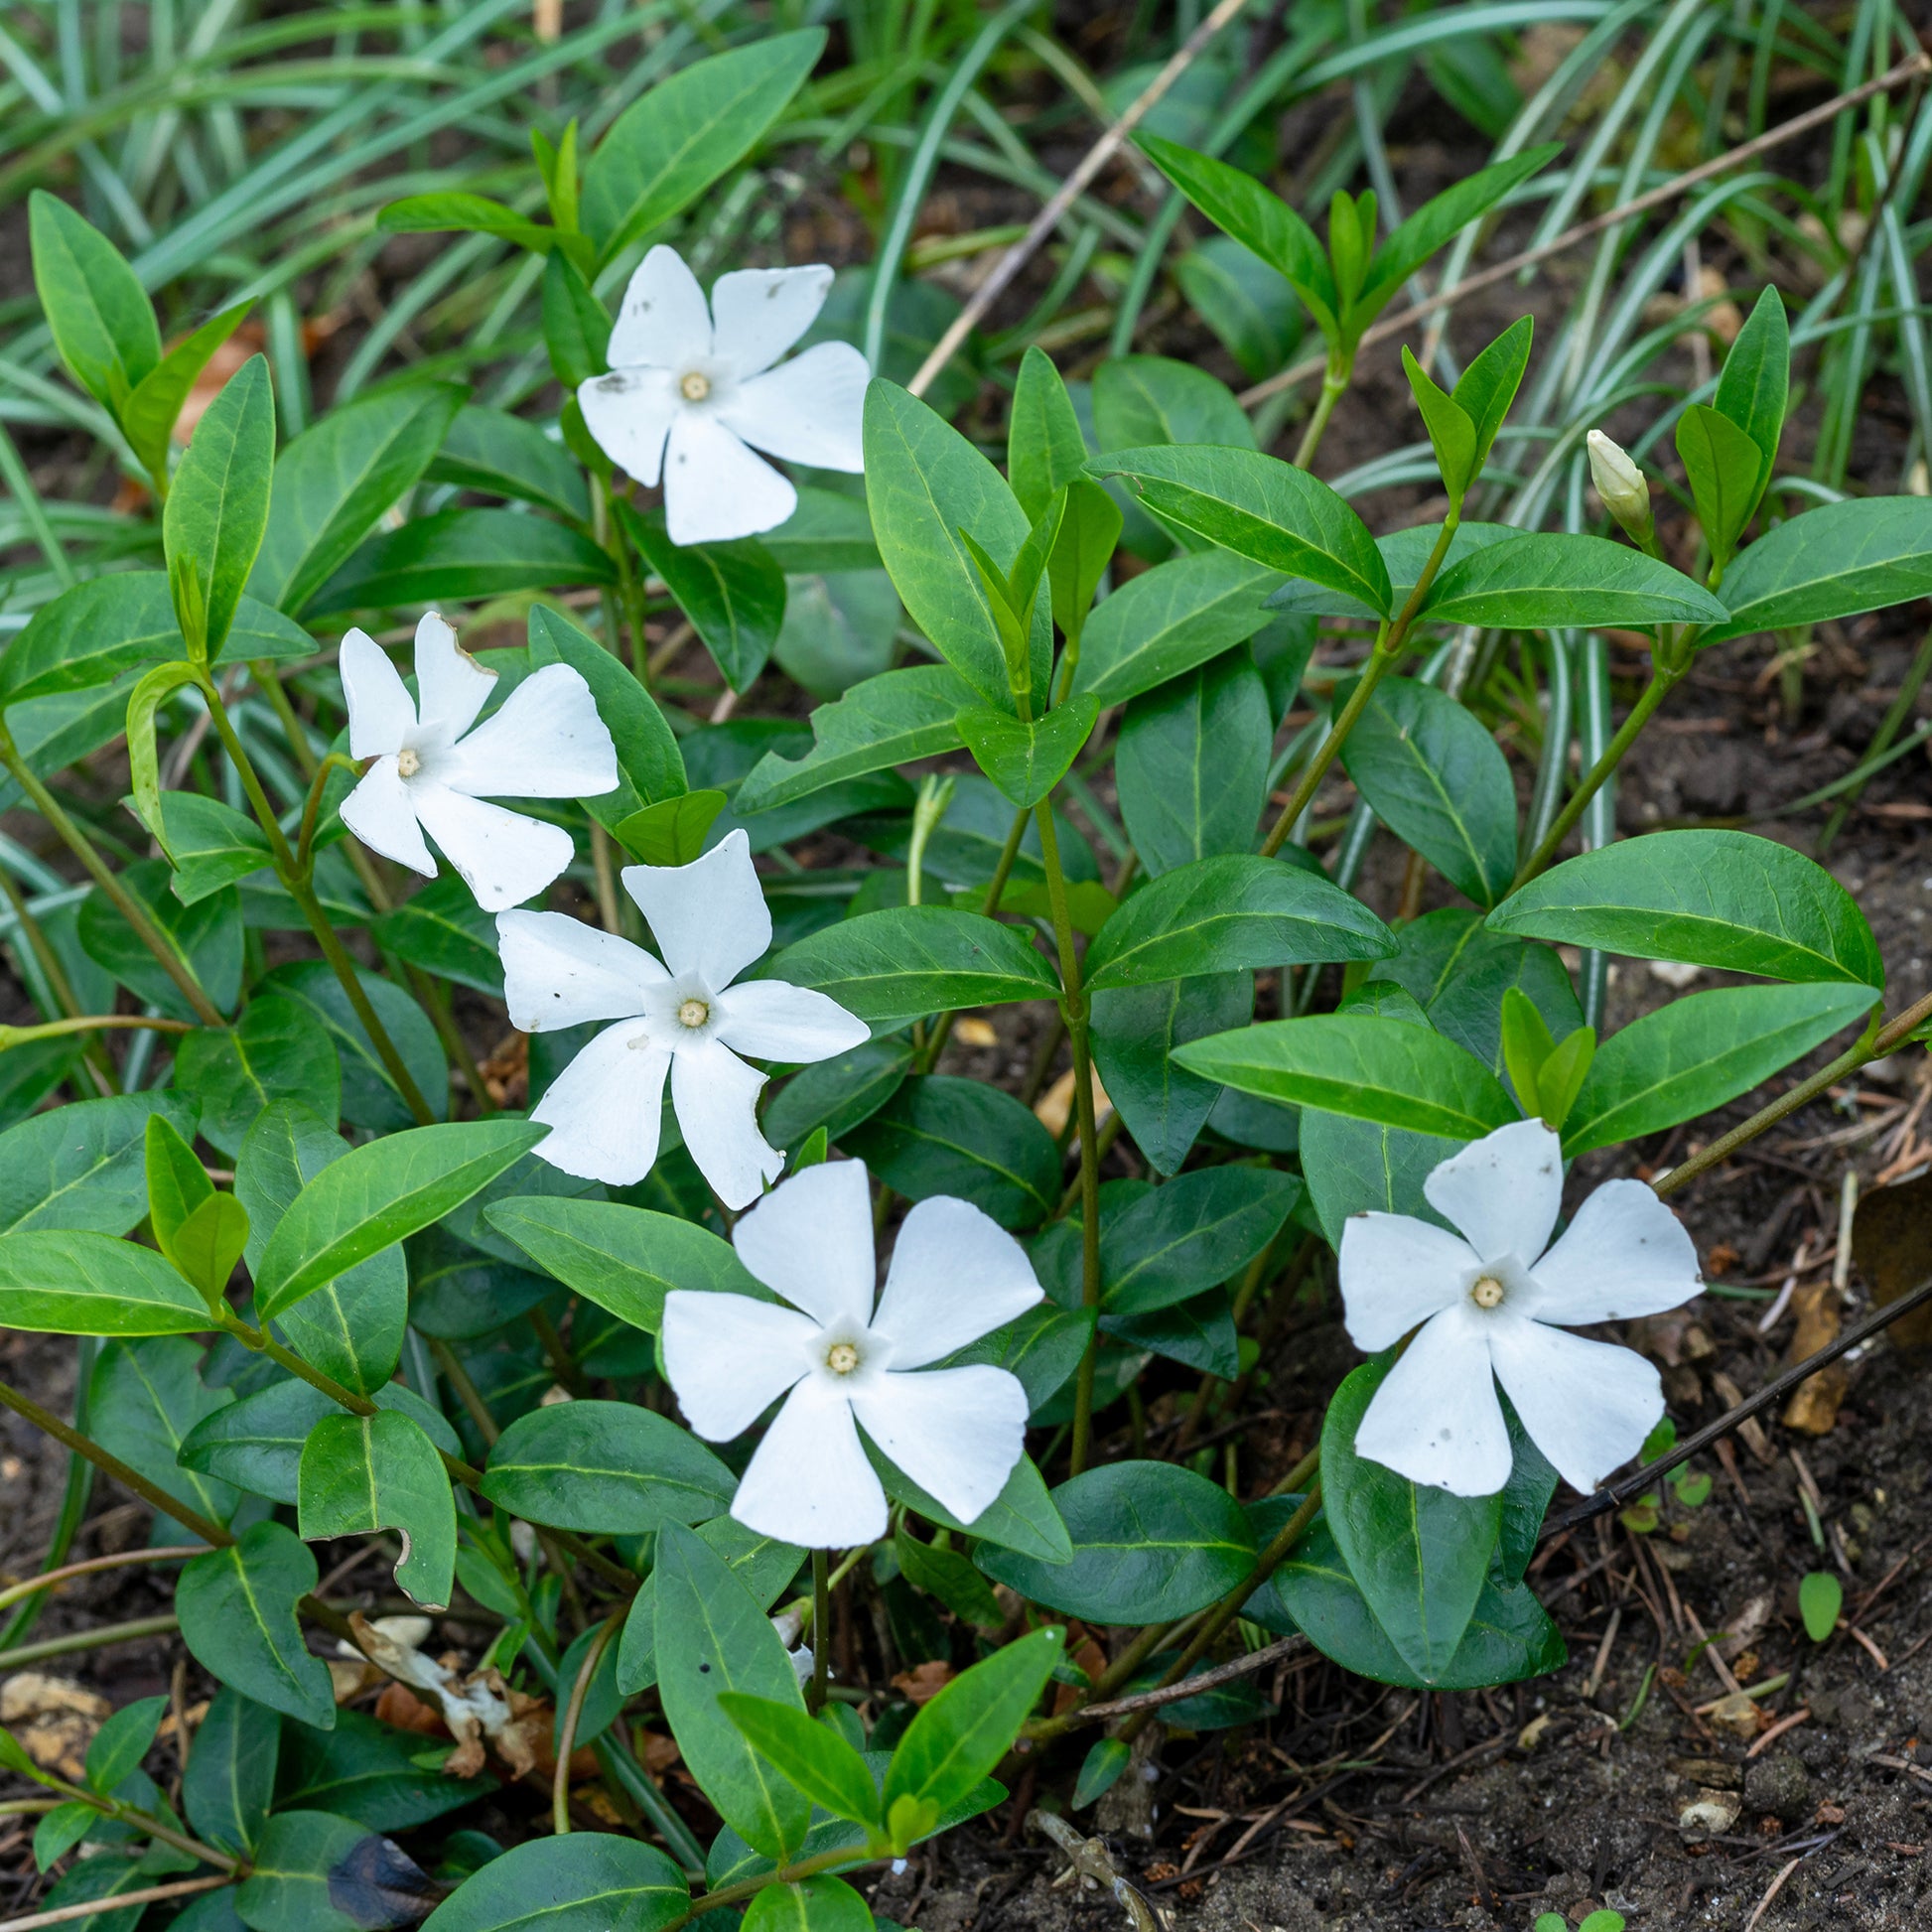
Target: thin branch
[
  {"x": 1207, "y": 1679},
  {"x": 116, "y": 1901},
  {"x": 1916, "y": 68},
  {"x": 172, "y": 1553}
]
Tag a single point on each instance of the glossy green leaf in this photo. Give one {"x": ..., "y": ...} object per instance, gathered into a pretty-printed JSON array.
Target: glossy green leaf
[
  {"x": 217, "y": 504},
  {"x": 673, "y": 831},
  {"x": 315, "y": 1872},
  {"x": 1027, "y": 760},
  {"x": 1727, "y": 899},
  {"x": 1367, "y": 1068},
  {"x": 1169, "y": 619},
  {"x": 1134, "y": 1029},
  {"x": 1451, "y": 431},
  {"x": 229, "y": 1781},
  {"x": 1835, "y": 561},
  {"x": 1727, "y": 473},
  {"x": 211, "y": 844},
  {"x": 1553, "y": 580},
  {"x": 810, "y": 1756},
  {"x": 463, "y": 554},
  {"x": 1488, "y": 385},
  {"x": 589, "y": 1881},
  {"x": 1754, "y": 384},
  {"x": 85, "y": 1165},
  {"x": 150, "y": 693},
  {"x": 945, "y": 1574},
  {"x": 1202, "y": 1230},
  {"x": 237, "y": 1609},
  {"x": 942, "y": 1135},
  {"x": 733, "y": 593},
  {"x": 449, "y": 212},
  {"x": 371, "y": 1772},
  {"x": 607, "y": 1467},
  {"x": 761, "y": 1564},
  {"x": 277, "y": 1050},
  {"x": 74, "y": 1284},
  {"x": 97, "y": 312},
  {"x": 1140, "y": 400},
  {"x": 576, "y": 333},
  {"x": 1045, "y": 446},
  {"x": 153, "y": 408},
  {"x": 500, "y": 454},
  {"x": 364, "y": 1473},
  {"x": 145, "y": 1399},
  {"x": 443, "y": 929},
  {"x": 1443, "y": 217}
]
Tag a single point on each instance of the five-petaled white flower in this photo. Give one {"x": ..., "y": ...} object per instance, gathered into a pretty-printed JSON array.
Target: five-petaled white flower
[
  {"x": 958, "y": 1432},
  {"x": 546, "y": 742},
  {"x": 604, "y": 1109},
  {"x": 690, "y": 387},
  {"x": 1485, "y": 1303}
]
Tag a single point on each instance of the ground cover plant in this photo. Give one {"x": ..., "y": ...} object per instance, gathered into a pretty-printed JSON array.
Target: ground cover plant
[{"x": 713, "y": 952}]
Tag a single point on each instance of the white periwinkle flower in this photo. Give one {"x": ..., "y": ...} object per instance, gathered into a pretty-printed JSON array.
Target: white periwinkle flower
[
  {"x": 1486, "y": 1302},
  {"x": 683, "y": 1018},
  {"x": 955, "y": 1276},
  {"x": 689, "y": 387},
  {"x": 546, "y": 742}
]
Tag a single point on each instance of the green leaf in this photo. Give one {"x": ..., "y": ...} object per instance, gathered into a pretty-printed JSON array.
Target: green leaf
[
  {"x": 441, "y": 928},
  {"x": 60, "y": 1830},
  {"x": 211, "y": 844},
  {"x": 237, "y": 1609},
  {"x": 1022, "y": 1518},
  {"x": 963, "y": 1733},
  {"x": 1451, "y": 431},
  {"x": 672, "y": 832},
  {"x": 888, "y": 720},
  {"x": 1435, "y": 777},
  {"x": 1135, "y": 1031},
  {"x": 1726, "y": 472},
  {"x": 813, "y": 1759},
  {"x": 1754, "y": 385},
  {"x": 589, "y": 1881},
  {"x": 364, "y": 1473},
  {"x": 904, "y": 962},
  {"x": 665, "y": 149},
  {"x": 1169, "y": 619},
  {"x": 208, "y": 1245},
  {"x": 229, "y": 1781},
  {"x": 761, "y": 1564},
  {"x": 576, "y": 332},
  {"x": 277, "y": 1050},
  {"x": 315, "y": 1872},
  {"x": 450, "y": 212},
  {"x": 1728, "y": 900},
  {"x": 942, "y": 1135},
  {"x": 1100, "y": 1772},
  {"x": 1151, "y": 1542},
  {"x": 217, "y": 504},
  {"x": 1439, "y": 220},
  {"x": 1199, "y": 1230},
  {"x": 97, "y": 312},
  {"x": 1488, "y": 385},
  {"x": 625, "y": 1259},
  {"x": 1419, "y": 1555},
  {"x": 492, "y": 451},
  {"x": 733, "y": 593},
  {"x": 822, "y": 1905},
  {"x": 207, "y": 935},
  {"x": 1837, "y": 561},
  {"x": 1363, "y": 1066},
  {"x": 1553, "y": 580},
  {"x": 925, "y": 484},
  {"x": 1027, "y": 760},
  {"x": 371, "y": 1772},
  {"x": 606, "y": 1466},
  {"x": 945, "y": 1574},
  {"x": 1247, "y": 301},
  {"x": 378, "y": 1193},
  {"x": 122, "y": 1741},
  {"x": 1221, "y": 914},
  {"x": 1699, "y": 1050},
  {"x": 335, "y": 481},
  {"x": 1045, "y": 446},
  {"x": 1260, "y": 509},
  {"x": 1191, "y": 763},
  {"x": 1140, "y": 400},
  {"x": 1821, "y": 1599},
  {"x": 83, "y": 1166},
  {"x": 369, "y": 1096},
  {"x": 153, "y": 690},
  {"x": 463, "y": 554},
  {"x": 712, "y": 1637},
  {"x": 1090, "y": 528},
  {"x": 838, "y": 1094},
  {"x": 73, "y": 1284},
  {"x": 152, "y": 409},
  {"x": 145, "y": 1399}
]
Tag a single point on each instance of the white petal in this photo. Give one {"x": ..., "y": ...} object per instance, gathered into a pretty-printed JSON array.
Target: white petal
[
  {"x": 810, "y": 1240},
  {"x": 506, "y": 857},
  {"x": 1587, "y": 1405},
  {"x": 710, "y": 917},
  {"x": 1396, "y": 1271},
  {"x": 380, "y": 714},
  {"x": 1625, "y": 1254},
  {"x": 956, "y": 1275},
  {"x": 729, "y": 1358},
  {"x": 547, "y": 742},
  {"x": 605, "y": 1108},
  {"x": 382, "y": 814},
  {"x": 790, "y": 1023},
  {"x": 716, "y": 1096},
  {"x": 628, "y": 414},
  {"x": 1503, "y": 1192},
  {"x": 450, "y": 686},
  {"x": 956, "y": 1432},
  {"x": 1436, "y": 1419},
  {"x": 715, "y": 488},
  {"x": 560, "y": 972},
  {"x": 811, "y": 410},
  {"x": 759, "y": 313},
  {"x": 810, "y": 1482},
  {"x": 663, "y": 320}
]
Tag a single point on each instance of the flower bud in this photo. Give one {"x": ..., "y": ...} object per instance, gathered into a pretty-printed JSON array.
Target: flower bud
[{"x": 1619, "y": 482}]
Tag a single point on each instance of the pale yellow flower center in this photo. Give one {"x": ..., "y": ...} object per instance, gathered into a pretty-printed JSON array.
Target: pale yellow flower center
[
  {"x": 408, "y": 763},
  {"x": 693, "y": 1013},
  {"x": 1487, "y": 1292},
  {"x": 696, "y": 386},
  {"x": 841, "y": 1358}
]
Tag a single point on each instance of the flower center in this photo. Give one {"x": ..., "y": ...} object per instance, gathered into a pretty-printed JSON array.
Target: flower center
[
  {"x": 842, "y": 1358},
  {"x": 408, "y": 763},
  {"x": 695, "y": 387},
  {"x": 693, "y": 1013},
  {"x": 1487, "y": 1292}
]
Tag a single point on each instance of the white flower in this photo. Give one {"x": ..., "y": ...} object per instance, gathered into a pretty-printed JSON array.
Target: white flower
[
  {"x": 1485, "y": 1303},
  {"x": 547, "y": 742},
  {"x": 956, "y": 1275},
  {"x": 711, "y": 922},
  {"x": 702, "y": 382}
]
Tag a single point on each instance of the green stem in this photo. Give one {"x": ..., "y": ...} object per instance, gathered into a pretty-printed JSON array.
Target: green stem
[
  {"x": 173, "y": 1553},
  {"x": 990, "y": 904},
  {"x": 1334, "y": 383},
  {"x": 89, "y": 1023},
  {"x": 1389, "y": 648},
  {"x": 791, "y": 1875},
  {"x": 1662, "y": 682},
  {"x": 123, "y": 902},
  {"x": 821, "y": 1630},
  {"x": 567, "y": 1736},
  {"x": 1073, "y": 1004},
  {"x": 295, "y": 878},
  {"x": 94, "y": 1639}
]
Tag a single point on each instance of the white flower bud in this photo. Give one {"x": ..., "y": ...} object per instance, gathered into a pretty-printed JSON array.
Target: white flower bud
[{"x": 1619, "y": 482}]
